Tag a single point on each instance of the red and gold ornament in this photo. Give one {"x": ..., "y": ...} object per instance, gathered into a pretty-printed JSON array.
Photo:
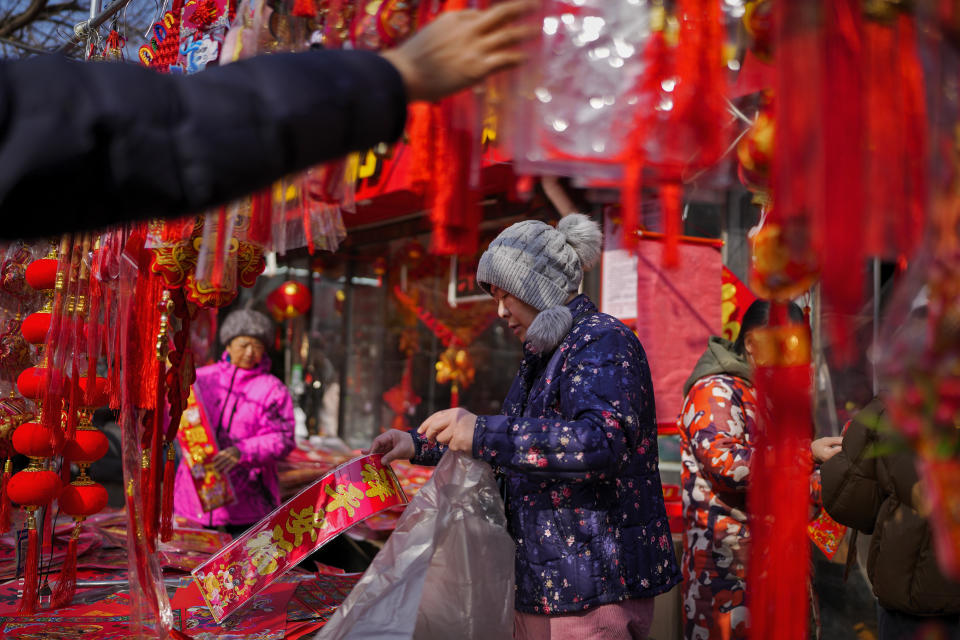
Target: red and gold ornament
[{"x": 289, "y": 300}]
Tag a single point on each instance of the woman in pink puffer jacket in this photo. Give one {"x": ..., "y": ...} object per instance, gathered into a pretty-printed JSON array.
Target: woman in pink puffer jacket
[{"x": 251, "y": 413}]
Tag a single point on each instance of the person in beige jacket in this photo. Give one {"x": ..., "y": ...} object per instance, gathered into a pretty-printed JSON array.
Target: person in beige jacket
[{"x": 879, "y": 494}]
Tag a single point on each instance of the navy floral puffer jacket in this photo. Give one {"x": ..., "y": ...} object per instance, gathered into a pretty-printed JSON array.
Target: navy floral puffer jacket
[{"x": 577, "y": 448}]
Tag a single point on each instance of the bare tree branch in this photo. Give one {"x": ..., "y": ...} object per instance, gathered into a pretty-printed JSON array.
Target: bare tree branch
[
  {"x": 33, "y": 25},
  {"x": 31, "y": 13}
]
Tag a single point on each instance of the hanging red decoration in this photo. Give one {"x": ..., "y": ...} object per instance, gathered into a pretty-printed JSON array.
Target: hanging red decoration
[
  {"x": 35, "y": 327},
  {"x": 779, "y": 550},
  {"x": 88, "y": 444},
  {"x": 82, "y": 500},
  {"x": 289, "y": 300},
  {"x": 42, "y": 274},
  {"x": 34, "y": 487},
  {"x": 33, "y": 440}
]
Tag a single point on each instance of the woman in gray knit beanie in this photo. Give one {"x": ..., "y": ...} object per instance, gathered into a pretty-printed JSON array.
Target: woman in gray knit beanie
[
  {"x": 575, "y": 445},
  {"x": 540, "y": 267}
]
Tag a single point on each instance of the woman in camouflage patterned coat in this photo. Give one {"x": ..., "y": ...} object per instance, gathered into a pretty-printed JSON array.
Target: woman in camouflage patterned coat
[{"x": 717, "y": 431}]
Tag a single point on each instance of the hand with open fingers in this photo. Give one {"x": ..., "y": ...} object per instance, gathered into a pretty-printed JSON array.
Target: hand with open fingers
[
  {"x": 226, "y": 459},
  {"x": 825, "y": 448},
  {"x": 460, "y": 48},
  {"x": 452, "y": 427},
  {"x": 394, "y": 445}
]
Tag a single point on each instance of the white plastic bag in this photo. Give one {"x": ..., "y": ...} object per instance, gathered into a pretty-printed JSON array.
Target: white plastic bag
[{"x": 445, "y": 572}]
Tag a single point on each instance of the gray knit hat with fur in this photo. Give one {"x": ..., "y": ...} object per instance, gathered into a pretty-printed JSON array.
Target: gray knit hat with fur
[
  {"x": 542, "y": 265},
  {"x": 246, "y": 322}
]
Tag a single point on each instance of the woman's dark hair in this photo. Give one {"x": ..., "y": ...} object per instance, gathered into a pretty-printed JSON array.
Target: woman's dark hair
[{"x": 758, "y": 315}]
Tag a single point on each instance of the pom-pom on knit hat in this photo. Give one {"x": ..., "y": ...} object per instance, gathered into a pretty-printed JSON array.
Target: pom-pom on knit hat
[
  {"x": 542, "y": 266},
  {"x": 246, "y": 322}
]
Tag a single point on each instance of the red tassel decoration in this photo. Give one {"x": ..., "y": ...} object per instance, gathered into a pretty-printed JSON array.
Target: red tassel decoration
[
  {"x": 671, "y": 200},
  {"x": 304, "y": 8},
  {"x": 657, "y": 69},
  {"x": 146, "y": 493},
  {"x": 157, "y": 468},
  {"x": 67, "y": 582},
  {"x": 31, "y": 568},
  {"x": 779, "y": 480},
  {"x": 841, "y": 219},
  {"x": 455, "y": 207},
  {"x": 908, "y": 234},
  {"x": 5, "y": 507},
  {"x": 422, "y": 148},
  {"x": 700, "y": 110},
  {"x": 178, "y": 635},
  {"x": 166, "y": 516},
  {"x": 73, "y": 407}
]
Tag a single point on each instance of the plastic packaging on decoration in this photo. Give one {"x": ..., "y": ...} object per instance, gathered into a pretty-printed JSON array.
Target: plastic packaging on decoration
[
  {"x": 575, "y": 100},
  {"x": 445, "y": 572}
]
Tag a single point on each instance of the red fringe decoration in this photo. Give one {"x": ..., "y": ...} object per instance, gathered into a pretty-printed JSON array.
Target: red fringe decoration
[
  {"x": 444, "y": 146},
  {"x": 218, "y": 270},
  {"x": 657, "y": 69},
  {"x": 166, "y": 516},
  {"x": 31, "y": 571},
  {"x": 146, "y": 494},
  {"x": 671, "y": 199},
  {"x": 422, "y": 138},
  {"x": 778, "y": 502},
  {"x": 73, "y": 403},
  {"x": 304, "y": 8},
  {"x": 143, "y": 331},
  {"x": 455, "y": 208},
  {"x": 156, "y": 469},
  {"x": 700, "y": 108},
  {"x": 261, "y": 215},
  {"x": 178, "y": 635},
  {"x": 840, "y": 223},
  {"x": 913, "y": 125},
  {"x": 632, "y": 195},
  {"x": 5, "y": 507},
  {"x": 67, "y": 582}
]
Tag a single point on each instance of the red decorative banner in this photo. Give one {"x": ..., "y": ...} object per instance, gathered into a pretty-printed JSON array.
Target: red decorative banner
[
  {"x": 736, "y": 298},
  {"x": 344, "y": 497},
  {"x": 826, "y": 533},
  {"x": 199, "y": 445}
]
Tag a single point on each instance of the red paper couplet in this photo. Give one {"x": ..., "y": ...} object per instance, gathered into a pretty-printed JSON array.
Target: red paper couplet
[
  {"x": 199, "y": 446},
  {"x": 349, "y": 494}
]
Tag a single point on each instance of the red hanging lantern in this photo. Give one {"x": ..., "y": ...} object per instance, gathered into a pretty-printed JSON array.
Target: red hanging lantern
[
  {"x": 86, "y": 446},
  {"x": 30, "y": 382},
  {"x": 83, "y": 497},
  {"x": 80, "y": 498},
  {"x": 35, "y": 327},
  {"x": 33, "y": 440},
  {"x": 289, "y": 300},
  {"x": 34, "y": 487},
  {"x": 42, "y": 274}
]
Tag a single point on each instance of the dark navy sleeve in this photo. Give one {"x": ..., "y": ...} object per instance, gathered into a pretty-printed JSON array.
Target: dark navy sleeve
[
  {"x": 89, "y": 144},
  {"x": 426, "y": 452},
  {"x": 598, "y": 389}
]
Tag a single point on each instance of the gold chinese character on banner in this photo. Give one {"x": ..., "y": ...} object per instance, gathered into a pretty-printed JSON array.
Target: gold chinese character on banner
[
  {"x": 378, "y": 482},
  {"x": 198, "y": 454},
  {"x": 266, "y": 549},
  {"x": 306, "y": 521},
  {"x": 195, "y": 435},
  {"x": 345, "y": 496}
]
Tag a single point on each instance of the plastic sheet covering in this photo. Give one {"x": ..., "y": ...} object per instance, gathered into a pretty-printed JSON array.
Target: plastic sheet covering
[
  {"x": 445, "y": 572},
  {"x": 576, "y": 96}
]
